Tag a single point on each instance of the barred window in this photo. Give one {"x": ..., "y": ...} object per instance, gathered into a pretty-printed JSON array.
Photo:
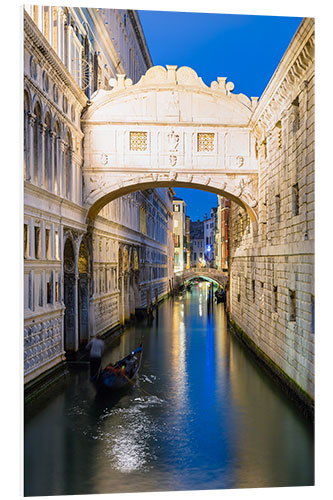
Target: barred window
[
  {"x": 292, "y": 305},
  {"x": 205, "y": 142},
  {"x": 138, "y": 141},
  {"x": 296, "y": 115},
  {"x": 275, "y": 298},
  {"x": 278, "y": 207},
  {"x": 295, "y": 199}
]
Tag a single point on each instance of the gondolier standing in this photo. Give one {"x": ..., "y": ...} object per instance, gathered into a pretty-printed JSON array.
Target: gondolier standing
[{"x": 96, "y": 348}]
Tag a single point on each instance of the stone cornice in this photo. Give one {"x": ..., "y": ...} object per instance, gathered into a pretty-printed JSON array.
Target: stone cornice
[
  {"x": 140, "y": 37},
  {"x": 41, "y": 44},
  {"x": 294, "y": 66},
  {"x": 52, "y": 106}
]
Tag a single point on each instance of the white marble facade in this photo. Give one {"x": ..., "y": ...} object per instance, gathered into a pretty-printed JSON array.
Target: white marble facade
[{"x": 81, "y": 280}]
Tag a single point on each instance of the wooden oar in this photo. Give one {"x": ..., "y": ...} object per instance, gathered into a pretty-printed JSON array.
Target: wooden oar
[{"x": 133, "y": 383}]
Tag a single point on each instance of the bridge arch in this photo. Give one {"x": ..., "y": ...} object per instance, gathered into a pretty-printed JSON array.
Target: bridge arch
[
  {"x": 169, "y": 130},
  {"x": 209, "y": 274}
]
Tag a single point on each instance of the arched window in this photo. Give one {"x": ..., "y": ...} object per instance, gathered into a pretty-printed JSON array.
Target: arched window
[
  {"x": 26, "y": 137},
  {"x": 68, "y": 165},
  {"x": 37, "y": 143},
  {"x": 47, "y": 154},
  {"x": 56, "y": 156}
]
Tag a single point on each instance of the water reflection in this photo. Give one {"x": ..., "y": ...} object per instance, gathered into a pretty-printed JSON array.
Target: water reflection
[{"x": 202, "y": 416}]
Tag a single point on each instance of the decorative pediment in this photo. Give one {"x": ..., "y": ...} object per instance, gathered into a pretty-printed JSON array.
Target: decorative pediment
[{"x": 178, "y": 93}]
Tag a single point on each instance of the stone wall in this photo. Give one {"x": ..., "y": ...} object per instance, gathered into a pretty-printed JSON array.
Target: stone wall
[{"x": 272, "y": 263}]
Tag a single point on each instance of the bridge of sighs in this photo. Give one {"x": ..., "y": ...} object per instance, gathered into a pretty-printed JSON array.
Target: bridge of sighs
[{"x": 169, "y": 129}]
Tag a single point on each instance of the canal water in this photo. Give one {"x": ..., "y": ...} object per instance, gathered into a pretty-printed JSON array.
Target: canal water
[{"x": 202, "y": 416}]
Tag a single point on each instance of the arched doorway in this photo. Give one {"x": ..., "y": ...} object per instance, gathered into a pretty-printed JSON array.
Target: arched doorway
[
  {"x": 126, "y": 299},
  {"x": 121, "y": 286},
  {"x": 69, "y": 297},
  {"x": 83, "y": 295}
]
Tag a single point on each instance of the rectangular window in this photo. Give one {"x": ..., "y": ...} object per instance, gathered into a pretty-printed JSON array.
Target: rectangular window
[
  {"x": 292, "y": 305},
  {"x": 295, "y": 199},
  {"x": 37, "y": 242},
  {"x": 57, "y": 291},
  {"x": 275, "y": 299},
  {"x": 26, "y": 241},
  {"x": 253, "y": 290},
  {"x": 138, "y": 141},
  {"x": 177, "y": 240},
  {"x": 241, "y": 226},
  {"x": 296, "y": 115},
  {"x": 312, "y": 314},
  {"x": 49, "y": 292},
  {"x": 278, "y": 207},
  {"x": 47, "y": 243},
  {"x": 205, "y": 142},
  {"x": 56, "y": 245},
  {"x": 40, "y": 294}
]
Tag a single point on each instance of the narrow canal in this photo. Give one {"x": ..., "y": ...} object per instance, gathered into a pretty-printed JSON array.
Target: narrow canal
[{"x": 202, "y": 416}]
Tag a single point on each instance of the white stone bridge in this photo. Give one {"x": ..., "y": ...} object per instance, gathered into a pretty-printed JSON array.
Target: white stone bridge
[
  {"x": 169, "y": 130},
  {"x": 209, "y": 274}
]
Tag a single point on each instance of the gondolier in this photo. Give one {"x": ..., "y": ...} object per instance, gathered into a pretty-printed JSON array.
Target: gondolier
[
  {"x": 96, "y": 348},
  {"x": 120, "y": 374}
]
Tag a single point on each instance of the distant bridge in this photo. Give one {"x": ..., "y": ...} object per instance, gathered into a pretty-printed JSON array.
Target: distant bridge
[{"x": 206, "y": 273}]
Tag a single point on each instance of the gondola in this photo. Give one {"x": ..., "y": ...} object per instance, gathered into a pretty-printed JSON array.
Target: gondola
[
  {"x": 120, "y": 375},
  {"x": 220, "y": 296}
]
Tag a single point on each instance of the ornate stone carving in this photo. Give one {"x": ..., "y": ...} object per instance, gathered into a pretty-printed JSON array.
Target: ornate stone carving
[
  {"x": 173, "y": 104},
  {"x": 104, "y": 159},
  {"x": 239, "y": 161},
  {"x": 173, "y": 141},
  {"x": 173, "y": 176},
  {"x": 173, "y": 160}
]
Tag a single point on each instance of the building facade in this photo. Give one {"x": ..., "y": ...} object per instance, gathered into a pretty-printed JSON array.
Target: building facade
[
  {"x": 222, "y": 231},
  {"x": 81, "y": 280},
  {"x": 272, "y": 295},
  {"x": 180, "y": 236},
  {"x": 210, "y": 225},
  {"x": 197, "y": 244}
]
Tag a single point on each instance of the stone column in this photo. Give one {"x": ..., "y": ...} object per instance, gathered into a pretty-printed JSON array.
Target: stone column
[
  {"x": 51, "y": 165},
  {"x": 76, "y": 311},
  {"x": 41, "y": 162},
  {"x": 61, "y": 165},
  {"x": 71, "y": 178}
]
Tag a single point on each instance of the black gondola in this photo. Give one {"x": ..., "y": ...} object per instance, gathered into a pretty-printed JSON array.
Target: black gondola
[
  {"x": 121, "y": 374},
  {"x": 220, "y": 296}
]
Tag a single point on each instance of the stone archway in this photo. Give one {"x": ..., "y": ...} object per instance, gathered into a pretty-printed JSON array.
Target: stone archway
[
  {"x": 126, "y": 285},
  {"x": 121, "y": 305},
  {"x": 69, "y": 297},
  {"x": 169, "y": 130},
  {"x": 83, "y": 295}
]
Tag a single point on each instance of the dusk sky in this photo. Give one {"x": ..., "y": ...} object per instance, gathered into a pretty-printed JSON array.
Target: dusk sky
[{"x": 245, "y": 49}]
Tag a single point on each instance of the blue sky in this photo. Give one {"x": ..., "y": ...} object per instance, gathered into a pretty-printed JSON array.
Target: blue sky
[{"x": 245, "y": 49}]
